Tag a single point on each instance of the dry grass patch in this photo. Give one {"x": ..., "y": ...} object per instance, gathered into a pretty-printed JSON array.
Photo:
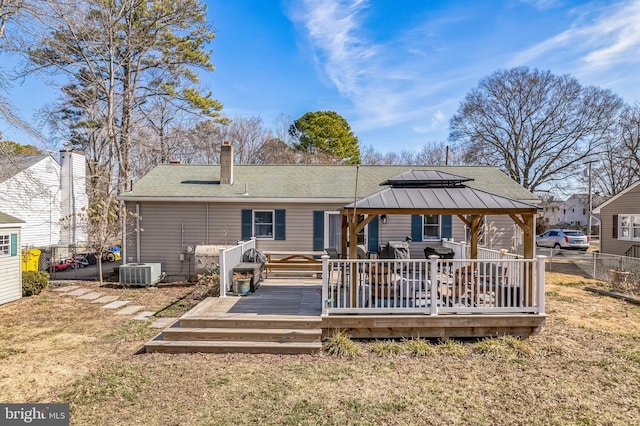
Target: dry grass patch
[
  {"x": 582, "y": 368},
  {"x": 55, "y": 339}
]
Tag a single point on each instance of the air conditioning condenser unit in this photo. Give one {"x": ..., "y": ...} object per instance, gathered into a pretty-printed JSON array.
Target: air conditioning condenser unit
[{"x": 141, "y": 274}]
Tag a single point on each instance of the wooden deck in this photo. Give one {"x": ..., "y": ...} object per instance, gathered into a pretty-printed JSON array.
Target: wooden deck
[{"x": 284, "y": 316}]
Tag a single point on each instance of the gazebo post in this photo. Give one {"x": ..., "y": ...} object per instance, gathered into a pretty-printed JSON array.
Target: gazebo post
[
  {"x": 475, "y": 224},
  {"x": 529, "y": 250},
  {"x": 345, "y": 230}
]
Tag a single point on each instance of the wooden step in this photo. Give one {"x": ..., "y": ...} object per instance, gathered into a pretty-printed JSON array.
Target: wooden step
[
  {"x": 243, "y": 334},
  {"x": 264, "y": 322},
  {"x": 248, "y": 347}
]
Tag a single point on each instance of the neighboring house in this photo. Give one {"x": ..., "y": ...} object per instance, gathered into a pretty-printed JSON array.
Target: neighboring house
[
  {"x": 620, "y": 223},
  {"x": 10, "y": 259},
  {"x": 571, "y": 213},
  {"x": 285, "y": 207},
  {"x": 45, "y": 194}
]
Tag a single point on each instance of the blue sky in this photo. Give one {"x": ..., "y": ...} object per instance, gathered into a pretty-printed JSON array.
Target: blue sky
[{"x": 396, "y": 70}]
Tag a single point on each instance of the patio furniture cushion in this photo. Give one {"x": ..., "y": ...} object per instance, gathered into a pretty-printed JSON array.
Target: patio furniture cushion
[{"x": 440, "y": 251}]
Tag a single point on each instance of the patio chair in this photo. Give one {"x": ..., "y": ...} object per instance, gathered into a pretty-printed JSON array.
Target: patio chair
[
  {"x": 333, "y": 253},
  {"x": 490, "y": 280}
]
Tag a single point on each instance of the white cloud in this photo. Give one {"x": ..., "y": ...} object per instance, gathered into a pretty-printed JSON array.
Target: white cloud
[
  {"x": 594, "y": 43},
  {"x": 541, "y": 4},
  {"x": 437, "y": 119},
  {"x": 385, "y": 85}
]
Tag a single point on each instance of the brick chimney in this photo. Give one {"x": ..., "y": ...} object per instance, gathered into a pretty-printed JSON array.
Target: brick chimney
[{"x": 226, "y": 163}]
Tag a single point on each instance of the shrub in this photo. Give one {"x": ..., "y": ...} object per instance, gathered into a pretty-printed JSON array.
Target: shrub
[
  {"x": 385, "y": 347},
  {"x": 208, "y": 284},
  {"x": 33, "y": 282},
  {"x": 418, "y": 347},
  {"x": 340, "y": 344}
]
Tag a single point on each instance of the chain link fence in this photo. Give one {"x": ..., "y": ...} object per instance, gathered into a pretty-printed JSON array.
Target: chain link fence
[{"x": 620, "y": 272}]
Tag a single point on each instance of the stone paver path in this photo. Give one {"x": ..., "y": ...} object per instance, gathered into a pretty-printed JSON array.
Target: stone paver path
[
  {"x": 91, "y": 296},
  {"x": 131, "y": 309},
  {"x": 144, "y": 315},
  {"x": 65, "y": 288},
  {"x": 112, "y": 302},
  {"x": 115, "y": 305},
  {"x": 105, "y": 299},
  {"x": 78, "y": 292}
]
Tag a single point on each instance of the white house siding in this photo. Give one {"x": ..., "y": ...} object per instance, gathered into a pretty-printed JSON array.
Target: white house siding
[
  {"x": 628, "y": 203},
  {"x": 33, "y": 196},
  {"x": 10, "y": 271}
]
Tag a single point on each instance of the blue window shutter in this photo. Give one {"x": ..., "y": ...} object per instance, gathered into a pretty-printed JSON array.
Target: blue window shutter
[
  {"x": 372, "y": 245},
  {"x": 14, "y": 244},
  {"x": 280, "y": 225},
  {"x": 318, "y": 230},
  {"x": 416, "y": 227},
  {"x": 446, "y": 226},
  {"x": 247, "y": 227}
]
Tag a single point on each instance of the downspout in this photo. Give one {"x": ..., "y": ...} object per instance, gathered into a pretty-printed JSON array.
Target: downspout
[
  {"x": 207, "y": 221},
  {"x": 138, "y": 232},
  {"x": 123, "y": 213}
]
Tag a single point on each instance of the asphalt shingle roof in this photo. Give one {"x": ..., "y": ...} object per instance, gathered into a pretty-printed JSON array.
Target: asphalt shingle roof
[
  {"x": 174, "y": 181},
  {"x": 12, "y": 165},
  {"x": 6, "y": 219}
]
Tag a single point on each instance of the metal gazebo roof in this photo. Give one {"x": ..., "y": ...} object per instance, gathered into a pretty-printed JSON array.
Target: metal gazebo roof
[{"x": 438, "y": 193}]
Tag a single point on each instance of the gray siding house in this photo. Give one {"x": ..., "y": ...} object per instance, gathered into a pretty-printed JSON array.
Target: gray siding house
[
  {"x": 10, "y": 259},
  {"x": 285, "y": 207},
  {"x": 620, "y": 223}
]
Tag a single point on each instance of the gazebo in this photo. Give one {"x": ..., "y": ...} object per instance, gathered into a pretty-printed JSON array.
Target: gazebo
[
  {"x": 436, "y": 192},
  {"x": 382, "y": 292}
]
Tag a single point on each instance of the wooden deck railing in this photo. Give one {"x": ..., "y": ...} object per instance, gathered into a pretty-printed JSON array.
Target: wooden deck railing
[{"x": 433, "y": 286}]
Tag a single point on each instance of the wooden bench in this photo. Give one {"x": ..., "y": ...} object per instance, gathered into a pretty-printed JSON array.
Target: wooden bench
[{"x": 297, "y": 262}]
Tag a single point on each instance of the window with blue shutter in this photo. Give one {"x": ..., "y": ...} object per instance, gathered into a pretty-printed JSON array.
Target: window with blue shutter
[
  {"x": 416, "y": 227},
  {"x": 373, "y": 232},
  {"x": 446, "y": 227},
  {"x": 246, "y": 218},
  {"x": 318, "y": 230},
  {"x": 280, "y": 225},
  {"x": 14, "y": 244}
]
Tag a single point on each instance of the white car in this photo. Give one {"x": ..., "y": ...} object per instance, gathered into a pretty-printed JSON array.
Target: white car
[{"x": 563, "y": 238}]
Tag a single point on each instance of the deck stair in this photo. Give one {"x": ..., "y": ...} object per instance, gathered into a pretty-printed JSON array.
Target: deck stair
[{"x": 232, "y": 334}]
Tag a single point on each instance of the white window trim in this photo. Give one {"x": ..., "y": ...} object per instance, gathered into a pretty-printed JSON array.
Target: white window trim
[
  {"x": 273, "y": 224},
  {"x": 8, "y": 245},
  {"x": 632, "y": 236},
  {"x": 326, "y": 228},
  {"x": 429, "y": 238}
]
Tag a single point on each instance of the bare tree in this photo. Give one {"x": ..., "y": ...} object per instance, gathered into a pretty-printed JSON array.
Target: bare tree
[
  {"x": 537, "y": 127},
  {"x": 11, "y": 15},
  {"x": 202, "y": 143}
]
